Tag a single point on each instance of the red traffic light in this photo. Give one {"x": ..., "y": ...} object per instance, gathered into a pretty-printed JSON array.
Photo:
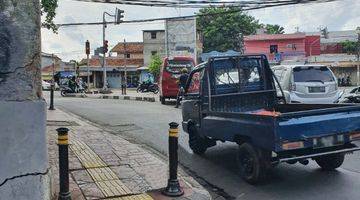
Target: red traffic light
[
  {"x": 106, "y": 46},
  {"x": 87, "y": 47}
]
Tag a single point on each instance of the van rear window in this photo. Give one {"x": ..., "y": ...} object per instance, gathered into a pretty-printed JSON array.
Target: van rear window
[
  {"x": 313, "y": 74},
  {"x": 175, "y": 66}
]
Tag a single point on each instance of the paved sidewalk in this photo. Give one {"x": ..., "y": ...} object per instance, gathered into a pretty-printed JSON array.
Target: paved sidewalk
[{"x": 106, "y": 166}]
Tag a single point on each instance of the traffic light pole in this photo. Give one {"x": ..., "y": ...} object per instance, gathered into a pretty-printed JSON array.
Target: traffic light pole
[
  {"x": 118, "y": 16},
  {"x": 103, "y": 58}
]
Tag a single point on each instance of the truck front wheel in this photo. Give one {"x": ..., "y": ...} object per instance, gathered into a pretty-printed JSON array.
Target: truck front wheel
[
  {"x": 253, "y": 163},
  {"x": 330, "y": 162},
  {"x": 197, "y": 144}
]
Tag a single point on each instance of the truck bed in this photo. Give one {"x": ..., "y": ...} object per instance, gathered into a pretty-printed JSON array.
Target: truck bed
[{"x": 293, "y": 122}]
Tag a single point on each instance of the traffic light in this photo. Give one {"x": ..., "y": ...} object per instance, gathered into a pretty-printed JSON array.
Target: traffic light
[
  {"x": 87, "y": 47},
  {"x": 106, "y": 46},
  {"x": 118, "y": 16}
]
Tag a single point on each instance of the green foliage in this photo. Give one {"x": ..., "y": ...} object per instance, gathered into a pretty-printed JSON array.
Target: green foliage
[
  {"x": 222, "y": 27},
  {"x": 155, "y": 65},
  {"x": 274, "y": 29},
  {"x": 349, "y": 47},
  {"x": 49, "y": 8}
]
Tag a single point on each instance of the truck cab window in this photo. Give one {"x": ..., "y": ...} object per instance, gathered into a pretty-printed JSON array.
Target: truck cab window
[
  {"x": 194, "y": 86},
  {"x": 250, "y": 76}
]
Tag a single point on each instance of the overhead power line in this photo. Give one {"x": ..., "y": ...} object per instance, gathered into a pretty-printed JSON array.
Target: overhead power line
[
  {"x": 198, "y": 3},
  {"x": 277, "y": 4}
]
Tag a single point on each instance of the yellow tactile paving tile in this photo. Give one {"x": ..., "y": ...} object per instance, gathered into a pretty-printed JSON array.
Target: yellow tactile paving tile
[
  {"x": 134, "y": 197},
  {"x": 87, "y": 157},
  {"x": 102, "y": 174},
  {"x": 113, "y": 188},
  {"x": 106, "y": 180}
]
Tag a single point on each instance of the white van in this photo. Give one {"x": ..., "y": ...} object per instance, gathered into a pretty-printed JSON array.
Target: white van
[{"x": 308, "y": 83}]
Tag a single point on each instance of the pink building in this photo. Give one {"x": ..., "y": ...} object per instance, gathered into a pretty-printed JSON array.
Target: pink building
[{"x": 278, "y": 47}]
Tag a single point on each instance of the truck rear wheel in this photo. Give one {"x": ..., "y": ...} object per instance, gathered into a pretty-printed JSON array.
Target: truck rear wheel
[
  {"x": 253, "y": 163},
  {"x": 197, "y": 144},
  {"x": 330, "y": 162}
]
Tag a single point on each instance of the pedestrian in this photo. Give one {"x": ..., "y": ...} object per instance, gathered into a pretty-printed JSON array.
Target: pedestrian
[{"x": 181, "y": 84}]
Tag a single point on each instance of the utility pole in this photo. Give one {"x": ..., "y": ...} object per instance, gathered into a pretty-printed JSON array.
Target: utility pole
[
  {"x": 358, "y": 57},
  {"x": 125, "y": 67},
  {"x": 87, "y": 51},
  {"x": 118, "y": 19}
]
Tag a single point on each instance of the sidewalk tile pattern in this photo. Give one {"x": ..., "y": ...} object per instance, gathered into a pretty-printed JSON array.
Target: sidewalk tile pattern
[
  {"x": 106, "y": 180},
  {"x": 134, "y": 197},
  {"x": 87, "y": 157}
]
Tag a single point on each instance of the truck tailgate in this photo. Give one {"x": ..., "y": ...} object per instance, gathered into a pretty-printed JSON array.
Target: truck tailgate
[{"x": 307, "y": 125}]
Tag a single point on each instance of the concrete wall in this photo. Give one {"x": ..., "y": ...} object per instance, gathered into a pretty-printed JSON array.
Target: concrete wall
[
  {"x": 23, "y": 157},
  {"x": 151, "y": 45}
]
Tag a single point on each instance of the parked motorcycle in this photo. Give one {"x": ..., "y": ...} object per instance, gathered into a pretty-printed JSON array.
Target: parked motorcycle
[
  {"x": 148, "y": 87},
  {"x": 353, "y": 96}
]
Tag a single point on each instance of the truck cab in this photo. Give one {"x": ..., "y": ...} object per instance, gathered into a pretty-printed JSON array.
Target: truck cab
[{"x": 234, "y": 99}]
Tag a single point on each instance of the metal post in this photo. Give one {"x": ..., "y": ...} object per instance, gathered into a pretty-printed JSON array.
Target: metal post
[
  {"x": 358, "y": 59},
  {"x": 63, "y": 144},
  {"x": 52, "y": 86},
  {"x": 125, "y": 59},
  {"x": 173, "y": 188},
  {"x": 51, "y": 107},
  {"x": 88, "y": 71},
  {"x": 103, "y": 61}
]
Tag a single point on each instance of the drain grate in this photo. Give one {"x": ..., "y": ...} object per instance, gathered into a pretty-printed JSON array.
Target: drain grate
[{"x": 61, "y": 123}]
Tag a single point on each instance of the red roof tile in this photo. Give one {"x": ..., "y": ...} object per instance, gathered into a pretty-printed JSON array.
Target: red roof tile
[
  {"x": 131, "y": 47},
  {"x": 95, "y": 62}
]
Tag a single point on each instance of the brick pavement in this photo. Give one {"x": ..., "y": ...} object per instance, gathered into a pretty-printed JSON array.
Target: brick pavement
[{"x": 103, "y": 165}]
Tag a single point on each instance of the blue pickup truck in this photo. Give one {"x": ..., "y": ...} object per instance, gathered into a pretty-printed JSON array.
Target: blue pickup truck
[{"x": 234, "y": 99}]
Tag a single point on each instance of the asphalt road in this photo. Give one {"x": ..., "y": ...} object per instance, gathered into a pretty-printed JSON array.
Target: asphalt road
[{"x": 147, "y": 123}]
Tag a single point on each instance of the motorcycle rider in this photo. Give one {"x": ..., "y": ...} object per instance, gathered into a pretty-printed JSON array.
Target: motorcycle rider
[
  {"x": 181, "y": 84},
  {"x": 72, "y": 84}
]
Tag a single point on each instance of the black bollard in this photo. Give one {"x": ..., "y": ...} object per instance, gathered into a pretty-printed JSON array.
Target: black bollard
[
  {"x": 173, "y": 188},
  {"x": 52, "y": 96},
  {"x": 63, "y": 144}
]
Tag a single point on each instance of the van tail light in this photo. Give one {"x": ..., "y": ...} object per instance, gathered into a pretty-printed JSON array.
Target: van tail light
[
  {"x": 292, "y": 145},
  {"x": 355, "y": 136}
]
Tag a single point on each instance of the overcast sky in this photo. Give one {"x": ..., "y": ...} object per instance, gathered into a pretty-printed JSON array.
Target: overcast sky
[{"x": 69, "y": 42}]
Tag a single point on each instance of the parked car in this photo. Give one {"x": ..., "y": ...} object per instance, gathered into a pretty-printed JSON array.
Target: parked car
[
  {"x": 234, "y": 99},
  {"x": 352, "y": 97},
  {"x": 45, "y": 85},
  {"x": 307, "y": 83}
]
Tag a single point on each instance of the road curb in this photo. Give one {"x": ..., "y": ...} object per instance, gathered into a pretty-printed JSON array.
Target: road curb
[{"x": 133, "y": 98}]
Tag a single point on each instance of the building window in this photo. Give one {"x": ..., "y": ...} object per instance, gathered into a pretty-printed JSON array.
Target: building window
[
  {"x": 153, "y": 53},
  {"x": 273, "y": 48},
  {"x": 153, "y": 35},
  {"x": 127, "y": 55}
]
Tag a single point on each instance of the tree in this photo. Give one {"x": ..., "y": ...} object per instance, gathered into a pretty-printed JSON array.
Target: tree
[
  {"x": 349, "y": 47},
  {"x": 48, "y": 7},
  {"x": 274, "y": 29},
  {"x": 155, "y": 65},
  {"x": 223, "y": 27}
]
